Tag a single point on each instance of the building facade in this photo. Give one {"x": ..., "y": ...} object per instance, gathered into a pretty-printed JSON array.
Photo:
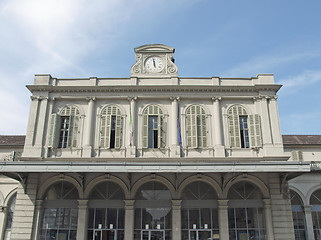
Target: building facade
[{"x": 155, "y": 156}]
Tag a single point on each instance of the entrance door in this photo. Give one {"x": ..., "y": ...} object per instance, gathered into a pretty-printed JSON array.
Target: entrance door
[
  {"x": 200, "y": 235},
  {"x": 105, "y": 235},
  {"x": 153, "y": 235}
]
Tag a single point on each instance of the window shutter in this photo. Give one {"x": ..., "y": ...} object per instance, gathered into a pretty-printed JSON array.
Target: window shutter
[
  {"x": 255, "y": 130},
  {"x": 71, "y": 131},
  {"x": 188, "y": 130},
  {"x": 105, "y": 131},
  {"x": 118, "y": 131},
  {"x": 234, "y": 126},
  {"x": 145, "y": 130},
  {"x": 202, "y": 132},
  {"x": 193, "y": 127},
  {"x": 54, "y": 125},
  {"x": 161, "y": 132}
]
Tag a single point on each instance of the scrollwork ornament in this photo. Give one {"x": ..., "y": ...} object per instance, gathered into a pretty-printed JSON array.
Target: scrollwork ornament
[
  {"x": 137, "y": 66},
  {"x": 171, "y": 67}
]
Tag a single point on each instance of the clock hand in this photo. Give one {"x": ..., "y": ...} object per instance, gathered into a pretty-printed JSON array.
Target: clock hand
[{"x": 154, "y": 63}]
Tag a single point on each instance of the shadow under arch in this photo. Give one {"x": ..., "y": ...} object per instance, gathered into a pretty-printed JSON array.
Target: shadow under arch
[
  {"x": 301, "y": 195},
  {"x": 91, "y": 185},
  {"x": 156, "y": 178},
  {"x": 247, "y": 178},
  {"x": 55, "y": 179},
  {"x": 310, "y": 192},
  {"x": 201, "y": 178},
  {"x": 9, "y": 196}
]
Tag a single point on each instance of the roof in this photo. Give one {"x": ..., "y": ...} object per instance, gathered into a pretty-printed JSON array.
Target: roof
[
  {"x": 301, "y": 139},
  {"x": 12, "y": 140}
]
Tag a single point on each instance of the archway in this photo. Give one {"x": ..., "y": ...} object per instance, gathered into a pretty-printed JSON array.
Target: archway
[
  {"x": 298, "y": 216},
  {"x": 153, "y": 218}
]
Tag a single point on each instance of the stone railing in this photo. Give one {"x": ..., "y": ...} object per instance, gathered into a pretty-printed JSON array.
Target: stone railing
[{"x": 12, "y": 156}]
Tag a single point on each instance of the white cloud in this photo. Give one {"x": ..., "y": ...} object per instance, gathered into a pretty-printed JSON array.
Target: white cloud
[{"x": 307, "y": 77}]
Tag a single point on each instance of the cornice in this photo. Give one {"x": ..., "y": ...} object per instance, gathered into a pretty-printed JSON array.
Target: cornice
[{"x": 153, "y": 88}]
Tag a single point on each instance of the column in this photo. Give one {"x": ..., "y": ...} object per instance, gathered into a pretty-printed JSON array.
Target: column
[
  {"x": 175, "y": 149},
  {"x": 176, "y": 219},
  {"x": 3, "y": 213},
  {"x": 309, "y": 222},
  {"x": 268, "y": 219},
  {"x": 82, "y": 224},
  {"x": 129, "y": 219},
  {"x": 223, "y": 218},
  {"x": 37, "y": 220},
  {"x": 265, "y": 120},
  {"x": 217, "y": 128},
  {"x": 89, "y": 127},
  {"x": 132, "y": 128}
]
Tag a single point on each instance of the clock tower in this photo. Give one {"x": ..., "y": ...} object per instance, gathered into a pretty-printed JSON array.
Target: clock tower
[{"x": 154, "y": 61}]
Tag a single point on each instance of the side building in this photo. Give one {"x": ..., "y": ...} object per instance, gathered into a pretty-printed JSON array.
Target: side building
[{"x": 155, "y": 156}]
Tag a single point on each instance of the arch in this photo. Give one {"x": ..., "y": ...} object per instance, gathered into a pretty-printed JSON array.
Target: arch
[
  {"x": 201, "y": 178},
  {"x": 102, "y": 107},
  {"x": 79, "y": 108},
  {"x": 207, "y": 111},
  {"x": 9, "y": 196},
  {"x": 55, "y": 179},
  {"x": 156, "y": 178},
  {"x": 303, "y": 199},
  {"x": 105, "y": 178},
  {"x": 248, "y": 112},
  {"x": 311, "y": 191},
  {"x": 165, "y": 112},
  {"x": 248, "y": 178}
]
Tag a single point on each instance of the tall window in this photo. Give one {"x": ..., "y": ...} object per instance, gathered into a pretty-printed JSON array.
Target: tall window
[
  {"x": 153, "y": 127},
  {"x": 9, "y": 217},
  {"x": 111, "y": 128},
  {"x": 245, "y": 130},
  {"x": 60, "y": 213},
  {"x": 196, "y": 130},
  {"x": 245, "y": 214},
  {"x": 298, "y": 216},
  {"x": 315, "y": 201},
  {"x": 64, "y": 129}
]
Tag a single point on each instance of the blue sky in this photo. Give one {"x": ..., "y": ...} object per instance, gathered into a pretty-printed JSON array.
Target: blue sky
[{"x": 78, "y": 38}]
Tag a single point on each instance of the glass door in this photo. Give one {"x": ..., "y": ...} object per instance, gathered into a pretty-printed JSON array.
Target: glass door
[
  {"x": 105, "y": 235},
  {"x": 200, "y": 235},
  {"x": 153, "y": 235}
]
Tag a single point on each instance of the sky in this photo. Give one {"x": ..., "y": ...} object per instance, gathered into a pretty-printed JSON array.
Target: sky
[{"x": 232, "y": 38}]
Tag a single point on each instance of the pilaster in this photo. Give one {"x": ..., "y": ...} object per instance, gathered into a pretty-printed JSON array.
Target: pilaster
[
  {"x": 132, "y": 148},
  {"x": 37, "y": 220},
  {"x": 176, "y": 219},
  {"x": 82, "y": 224},
  {"x": 88, "y": 143},
  {"x": 174, "y": 146},
  {"x": 268, "y": 219},
  {"x": 217, "y": 128},
  {"x": 275, "y": 123},
  {"x": 3, "y": 214},
  {"x": 129, "y": 219},
  {"x": 223, "y": 218},
  {"x": 309, "y": 222}
]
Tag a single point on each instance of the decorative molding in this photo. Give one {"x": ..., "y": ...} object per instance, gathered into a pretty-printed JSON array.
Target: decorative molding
[
  {"x": 216, "y": 99},
  {"x": 171, "y": 67},
  {"x": 90, "y": 98}
]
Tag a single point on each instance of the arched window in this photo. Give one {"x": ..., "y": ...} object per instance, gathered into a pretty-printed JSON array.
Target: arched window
[
  {"x": 298, "y": 216},
  {"x": 245, "y": 214},
  {"x": 64, "y": 129},
  {"x": 196, "y": 129},
  {"x": 111, "y": 127},
  {"x": 199, "y": 212},
  {"x": 154, "y": 132},
  {"x": 315, "y": 201},
  {"x": 245, "y": 130},
  {"x": 106, "y": 212},
  {"x": 9, "y": 217},
  {"x": 153, "y": 212},
  {"x": 60, "y": 213}
]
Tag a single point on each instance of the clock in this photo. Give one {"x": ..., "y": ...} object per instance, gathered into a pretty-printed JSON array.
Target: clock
[{"x": 154, "y": 64}]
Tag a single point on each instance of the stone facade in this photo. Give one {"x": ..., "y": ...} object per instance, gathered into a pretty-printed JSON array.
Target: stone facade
[{"x": 153, "y": 156}]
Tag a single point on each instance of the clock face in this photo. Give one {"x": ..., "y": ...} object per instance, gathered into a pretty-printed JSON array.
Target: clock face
[{"x": 154, "y": 64}]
